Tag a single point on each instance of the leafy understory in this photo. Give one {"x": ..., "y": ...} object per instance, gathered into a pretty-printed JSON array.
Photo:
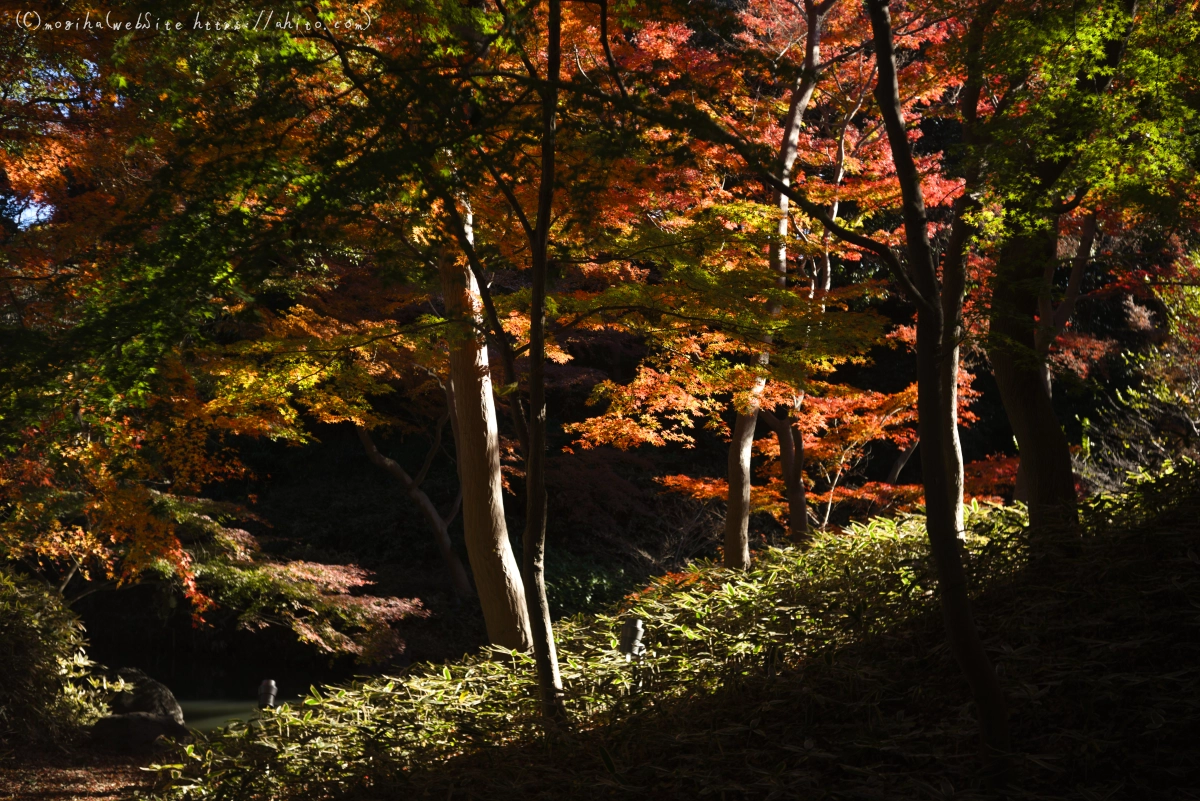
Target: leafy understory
[{"x": 819, "y": 670}]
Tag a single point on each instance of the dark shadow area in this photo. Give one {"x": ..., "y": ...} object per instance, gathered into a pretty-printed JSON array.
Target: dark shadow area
[
  {"x": 1096, "y": 645},
  {"x": 612, "y": 528}
]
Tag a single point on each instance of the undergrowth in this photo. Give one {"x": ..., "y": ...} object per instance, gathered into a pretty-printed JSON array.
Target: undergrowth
[
  {"x": 320, "y": 604},
  {"x": 821, "y": 671},
  {"x": 45, "y": 695}
]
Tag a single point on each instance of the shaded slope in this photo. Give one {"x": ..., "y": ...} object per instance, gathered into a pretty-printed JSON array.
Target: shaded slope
[{"x": 1096, "y": 638}]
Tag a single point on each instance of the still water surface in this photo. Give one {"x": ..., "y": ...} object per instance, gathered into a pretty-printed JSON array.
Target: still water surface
[{"x": 206, "y": 715}]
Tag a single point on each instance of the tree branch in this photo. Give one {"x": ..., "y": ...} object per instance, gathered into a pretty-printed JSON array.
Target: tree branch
[{"x": 608, "y": 54}]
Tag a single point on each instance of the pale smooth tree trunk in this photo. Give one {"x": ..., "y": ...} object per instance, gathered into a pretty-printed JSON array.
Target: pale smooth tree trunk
[
  {"x": 497, "y": 579},
  {"x": 737, "y": 507},
  {"x": 953, "y": 445},
  {"x": 461, "y": 227}
]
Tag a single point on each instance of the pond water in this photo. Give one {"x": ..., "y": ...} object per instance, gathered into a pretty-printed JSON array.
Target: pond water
[{"x": 208, "y": 714}]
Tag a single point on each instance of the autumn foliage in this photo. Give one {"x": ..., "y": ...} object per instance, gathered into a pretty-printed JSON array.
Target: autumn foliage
[{"x": 234, "y": 238}]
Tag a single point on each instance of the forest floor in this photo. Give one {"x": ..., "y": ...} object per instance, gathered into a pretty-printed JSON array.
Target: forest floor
[
  {"x": 80, "y": 775},
  {"x": 1098, "y": 647},
  {"x": 1096, "y": 639}
]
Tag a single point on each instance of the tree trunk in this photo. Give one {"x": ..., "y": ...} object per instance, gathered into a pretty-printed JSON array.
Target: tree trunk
[
  {"x": 939, "y": 324},
  {"x": 1021, "y": 291},
  {"x": 544, "y": 653},
  {"x": 737, "y": 514},
  {"x": 497, "y": 580},
  {"x": 462, "y": 226},
  {"x": 1046, "y": 476},
  {"x": 1024, "y": 271},
  {"x": 459, "y": 581},
  {"x": 793, "y": 484},
  {"x": 953, "y": 445},
  {"x": 791, "y": 463},
  {"x": 737, "y": 510},
  {"x": 936, "y": 407}
]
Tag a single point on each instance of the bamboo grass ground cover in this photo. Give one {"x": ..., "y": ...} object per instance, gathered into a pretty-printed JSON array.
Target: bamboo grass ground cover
[{"x": 821, "y": 673}]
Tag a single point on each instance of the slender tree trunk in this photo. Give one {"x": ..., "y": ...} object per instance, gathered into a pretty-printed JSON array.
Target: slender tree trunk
[
  {"x": 791, "y": 462},
  {"x": 939, "y": 324},
  {"x": 938, "y": 431},
  {"x": 459, "y": 581},
  {"x": 901, "y": 460},
  {"x": 833, "y": 485},
  {"x": 737, "y": 508},
  {"x": 497, "y": 579},
  {"x": 797, "y": 493},
  {"x": 1046, "y": 476},
  {"x": 544, "y": 652},
  {"x": 737, "y": 514},
  {"x": 1051, "y": 321},
  {"x": 953, "y": 445}
]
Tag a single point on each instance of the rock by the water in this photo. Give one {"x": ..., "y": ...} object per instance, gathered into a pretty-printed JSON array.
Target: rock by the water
[
  {"x": 146, "y": 695},
  {"x": 136, "y": 732}
]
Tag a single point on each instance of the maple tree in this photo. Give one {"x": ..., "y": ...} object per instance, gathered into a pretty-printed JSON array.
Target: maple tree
[
  {"x": 936, "y": 281},
  {"x": 203, "y": 232},
  {"x": 92, "y": 493},
  {"x": 318, "y": 219},
  {"x": 829, "y": 145},
  {"x": 100, "y": 415},
  {"x": 939, "y": 304},
  {"x": 324, "y": 200},
  {"x": 1074, "y": 141}
]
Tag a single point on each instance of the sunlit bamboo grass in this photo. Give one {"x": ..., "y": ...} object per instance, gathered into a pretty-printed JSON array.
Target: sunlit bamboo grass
[
  {"x": 705, "y": 626},
  {"x": 819, "y": 665}
]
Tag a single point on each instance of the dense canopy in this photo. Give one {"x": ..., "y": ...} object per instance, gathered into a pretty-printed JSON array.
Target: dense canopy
[{"x": 350, "y": 335}]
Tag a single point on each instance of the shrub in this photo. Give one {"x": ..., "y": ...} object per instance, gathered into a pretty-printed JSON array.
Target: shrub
[
  {"x": 315, "y": 602},
  {"x": 323, "y": 605},
  {"x": 44, "y": 695},
  {"x": 706, "y": 627}
]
